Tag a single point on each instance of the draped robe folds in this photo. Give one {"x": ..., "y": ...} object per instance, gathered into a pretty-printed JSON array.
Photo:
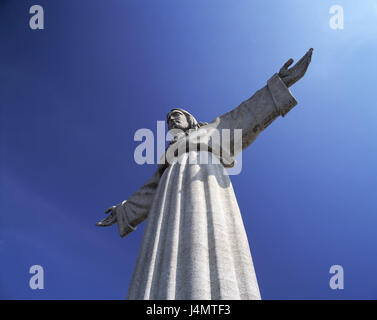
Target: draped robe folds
[{"x": 195, "y": 245}]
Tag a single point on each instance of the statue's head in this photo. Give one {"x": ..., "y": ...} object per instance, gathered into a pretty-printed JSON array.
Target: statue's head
[{"x": 180, "y": 119}]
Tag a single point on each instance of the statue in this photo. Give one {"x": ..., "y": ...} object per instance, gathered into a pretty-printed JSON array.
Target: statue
[{"x": 194, "y": 245}]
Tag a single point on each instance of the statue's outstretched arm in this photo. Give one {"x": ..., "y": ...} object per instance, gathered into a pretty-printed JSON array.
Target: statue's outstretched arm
[
  {"x": 255, "y": 114},
  {"x": 133, "y": 211}
]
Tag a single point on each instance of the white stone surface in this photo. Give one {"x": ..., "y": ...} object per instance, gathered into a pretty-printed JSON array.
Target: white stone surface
[{"x": 194, "y": 244}]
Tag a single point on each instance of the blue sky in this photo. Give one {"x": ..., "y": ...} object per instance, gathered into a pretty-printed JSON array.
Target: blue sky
[{"x": 73, "y": 95}]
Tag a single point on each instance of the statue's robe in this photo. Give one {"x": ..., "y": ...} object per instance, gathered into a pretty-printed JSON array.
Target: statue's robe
[{"x": 195, "y": 245}]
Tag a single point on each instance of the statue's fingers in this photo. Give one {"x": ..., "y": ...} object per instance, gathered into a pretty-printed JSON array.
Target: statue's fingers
[
  {"x": 310, "y": 53},
  {"x": 287, "y": 64},
  {"x": 109, "y": 209},
  {"x": 306, "y": 58},
  {"x": 108, "y": 221},
  {"x": 302, "y": 60},
  {"x": 305, "y": 61},
  {"x": 301, "y": 66},
  {"x": 101, "y": 223}
]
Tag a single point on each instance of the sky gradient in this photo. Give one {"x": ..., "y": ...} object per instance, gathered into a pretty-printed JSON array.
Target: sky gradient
[{"x": 73, "y": 95}]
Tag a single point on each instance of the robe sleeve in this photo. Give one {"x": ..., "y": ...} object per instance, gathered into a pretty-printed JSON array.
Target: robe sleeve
[
  {"x": 135, "y": 210},
  {"x": 255, "y": 114}
]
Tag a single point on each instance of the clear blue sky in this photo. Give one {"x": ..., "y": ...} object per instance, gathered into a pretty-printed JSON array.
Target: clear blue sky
[{"x": 73, "y": 95}]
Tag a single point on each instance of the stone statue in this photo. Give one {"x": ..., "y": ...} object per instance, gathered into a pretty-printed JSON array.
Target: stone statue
[{"x": 194, "y": 245}]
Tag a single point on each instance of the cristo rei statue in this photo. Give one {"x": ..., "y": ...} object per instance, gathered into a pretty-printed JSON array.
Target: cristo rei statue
[{"x": 194, "y": 245}]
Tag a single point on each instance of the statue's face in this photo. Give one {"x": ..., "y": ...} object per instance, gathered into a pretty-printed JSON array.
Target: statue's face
[{"x": 177, "y": 120}]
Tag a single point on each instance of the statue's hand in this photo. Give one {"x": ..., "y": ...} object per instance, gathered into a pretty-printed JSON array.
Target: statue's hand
[
  {"x": 292, "y": 75},
  {"x": 109, "y": 220}
]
